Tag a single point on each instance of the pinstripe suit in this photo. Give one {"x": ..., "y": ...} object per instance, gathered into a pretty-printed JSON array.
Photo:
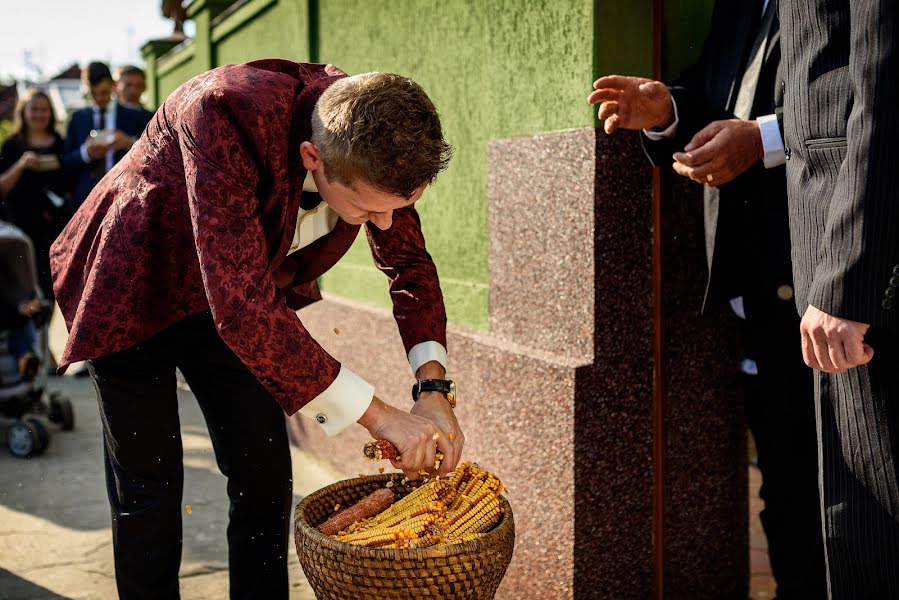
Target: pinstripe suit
[{"x": 841, "y": 117}]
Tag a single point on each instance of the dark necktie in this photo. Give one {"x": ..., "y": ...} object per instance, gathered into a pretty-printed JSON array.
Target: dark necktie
[
  {"x": 754, "y": 61},
  {"x": 99, "y": 166}
]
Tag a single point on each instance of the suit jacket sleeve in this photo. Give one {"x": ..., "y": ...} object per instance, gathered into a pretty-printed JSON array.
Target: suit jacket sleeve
[
  {"x": 400, "y": 254},
  {"x": 250, "y": 314},
  {"x": 860, "y": 246},
  {"x": 693, "y": 114},
  {"x": 71, "y": 155}
]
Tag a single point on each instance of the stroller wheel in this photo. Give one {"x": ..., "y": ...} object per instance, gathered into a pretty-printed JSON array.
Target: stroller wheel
[
  {"x": 22, "y": 440},
  {"x": 43, "y": 436},
  {"x": 61, "y": 411}
]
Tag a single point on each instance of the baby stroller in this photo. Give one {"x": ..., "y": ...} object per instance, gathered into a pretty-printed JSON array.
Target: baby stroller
[{"x": 24, "y": 351}]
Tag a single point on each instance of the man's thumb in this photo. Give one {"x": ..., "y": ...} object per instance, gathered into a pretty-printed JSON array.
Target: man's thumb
[
  {"x": 656, "y": 90},
  {"x": 869, "y": 354}
]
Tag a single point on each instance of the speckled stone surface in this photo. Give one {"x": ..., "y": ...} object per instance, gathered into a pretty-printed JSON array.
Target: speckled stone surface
[
  {"x": 540, "y": 195},
  {"x": 707, "y": 509},
  {"x": 557, "y": 397}
]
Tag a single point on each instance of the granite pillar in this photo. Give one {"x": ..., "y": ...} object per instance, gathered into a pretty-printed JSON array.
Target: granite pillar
[{"x": 557, "y": 396}]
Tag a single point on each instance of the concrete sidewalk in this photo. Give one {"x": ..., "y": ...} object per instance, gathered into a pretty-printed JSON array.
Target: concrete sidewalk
[{"x": 55, "y": 539}]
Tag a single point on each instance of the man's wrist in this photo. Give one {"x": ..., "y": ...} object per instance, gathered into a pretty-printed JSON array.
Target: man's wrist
[
  {"x": 669, "y": 118},
  {"x": 431, "y": 370},
  {"x": 373, "y": 414}
]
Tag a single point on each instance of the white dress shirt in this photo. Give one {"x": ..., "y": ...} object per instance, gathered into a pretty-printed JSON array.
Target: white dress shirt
[
  {"x": 349, "y": 396},
  {"x": 108, "y": 125}
]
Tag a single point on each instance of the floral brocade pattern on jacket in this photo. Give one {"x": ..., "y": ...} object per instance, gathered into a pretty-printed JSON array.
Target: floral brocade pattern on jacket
[{"x": 199, "y": 216}]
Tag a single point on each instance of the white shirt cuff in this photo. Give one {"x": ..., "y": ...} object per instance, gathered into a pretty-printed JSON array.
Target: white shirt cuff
[
  {"x": 426, "y": 352},
  {"x": 667, "y": 133},
  {"x": 84, "y": 155},
  {"x": 772, "y": 142},
  {"x": 342, "y": 404}
]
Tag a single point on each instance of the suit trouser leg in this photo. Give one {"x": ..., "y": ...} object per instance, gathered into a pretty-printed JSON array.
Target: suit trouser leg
[
  {"x": 144, "y": 475},
  {"x": 780, "y": 410},
  {"x": 249, "y": 436},
  {"x": 858, "y": 433}
]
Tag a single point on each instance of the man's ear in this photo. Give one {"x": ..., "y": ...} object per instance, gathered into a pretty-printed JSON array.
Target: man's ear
[{"x": 312, "y": 160}]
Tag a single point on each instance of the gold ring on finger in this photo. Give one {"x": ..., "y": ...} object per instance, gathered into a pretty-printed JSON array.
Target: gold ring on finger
[{"x": 709, "y": 178}]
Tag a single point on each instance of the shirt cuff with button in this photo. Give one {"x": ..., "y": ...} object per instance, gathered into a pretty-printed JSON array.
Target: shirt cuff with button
[
  {"x": 669, "y": 132},
  {"x": 425, "y": 352},
  {"x": 84, "y": 155},
  {"x": 772, "y": 142},
  {"x": 342, "y": 403}
]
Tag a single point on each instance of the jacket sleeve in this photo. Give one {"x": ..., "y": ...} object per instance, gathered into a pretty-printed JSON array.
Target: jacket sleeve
[
  {"x": 689, "y": 94},
  {"x": 250, "y": 314},
  {"x": 72, "y": 160},
  {"x": 860, "y": 247},
  {"x": 414, "y": 286}
]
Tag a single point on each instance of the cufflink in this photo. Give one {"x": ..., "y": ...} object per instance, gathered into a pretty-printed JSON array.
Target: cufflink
[{"x": 322, "y": 418}]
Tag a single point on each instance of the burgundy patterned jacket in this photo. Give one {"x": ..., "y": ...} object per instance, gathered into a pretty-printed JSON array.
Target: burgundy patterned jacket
[{"x": 200, "y": 215}]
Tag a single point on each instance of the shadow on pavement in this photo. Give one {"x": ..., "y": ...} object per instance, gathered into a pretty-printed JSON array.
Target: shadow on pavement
[{"x": 16, "y": 588}]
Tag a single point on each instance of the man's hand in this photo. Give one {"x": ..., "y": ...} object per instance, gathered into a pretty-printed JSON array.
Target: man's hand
[
  {"x": 412, "y": 435},
  {"x": 722, "y": 150},
  {"x": 632, "y": 103},
  {"x": 435, "y": 407},
  {"x": 97, "y": 151},
  {"x": 121, "y": 140},
  {"x": 832, "y": 344}
]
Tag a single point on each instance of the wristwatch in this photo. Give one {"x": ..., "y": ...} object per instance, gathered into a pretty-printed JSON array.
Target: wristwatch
[{"x": 447, "y": 387}]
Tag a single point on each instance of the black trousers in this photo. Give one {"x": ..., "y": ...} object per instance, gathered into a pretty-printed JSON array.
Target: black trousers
[
  {"x": 780, "y": 412},
  {"x": 858, "y": 419},
  {"x": 144, "y": 470}
]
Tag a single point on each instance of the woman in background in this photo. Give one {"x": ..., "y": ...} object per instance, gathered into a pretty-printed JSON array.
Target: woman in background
[{"x": 32, "y": 184}]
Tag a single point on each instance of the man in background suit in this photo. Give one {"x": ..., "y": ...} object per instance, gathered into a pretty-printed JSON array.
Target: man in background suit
[
  {"x": 130, "y": 85},
  {"x": 841, "y": 62},
  {"x": 98, "y": 136},
  {"x": 719, "y": 122}
]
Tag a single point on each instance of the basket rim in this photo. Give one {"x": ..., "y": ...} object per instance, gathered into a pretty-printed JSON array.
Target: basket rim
[{"x": 486, "y": 542}]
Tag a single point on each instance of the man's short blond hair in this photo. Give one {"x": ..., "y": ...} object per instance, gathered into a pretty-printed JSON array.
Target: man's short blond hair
[{"x": 379, "y": 128}]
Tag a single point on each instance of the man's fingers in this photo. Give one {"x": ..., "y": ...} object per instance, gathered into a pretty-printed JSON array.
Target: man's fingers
[
  {"x": 611, "y": 125},
  {"x": 447, "y": 448},
  {"x": 699, "y": 156},
  {"x": 869, "y": 354},
  {"x": 855, "y": 351},
  {"x": 603, "y": 95},
  {"x": 699, "y": 174},
  {"x": 836, "y": 351},
  {"x": 618, "y": 82},
  {"x": 654, "y": 89},
  {"x": 704, "y": 135},
  {"x": 821, "y": 349},
  {"x": 808, "y": 352},
  {"x": 607, "y": 109}
]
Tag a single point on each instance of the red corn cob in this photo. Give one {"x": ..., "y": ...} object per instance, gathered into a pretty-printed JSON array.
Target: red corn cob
[
  {"x": 373, "y": 504},
  {"x": 380, "y": 450}
]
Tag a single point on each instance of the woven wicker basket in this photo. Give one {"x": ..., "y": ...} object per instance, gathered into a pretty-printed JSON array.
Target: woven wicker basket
[{"x": 338, "y": 571}]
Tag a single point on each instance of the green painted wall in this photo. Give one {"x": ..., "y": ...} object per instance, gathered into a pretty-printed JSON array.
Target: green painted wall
[
  {"x": 279, "y": 31},
  {"x": 171, "y": 79},
  {"x": 494, "y": 68}
]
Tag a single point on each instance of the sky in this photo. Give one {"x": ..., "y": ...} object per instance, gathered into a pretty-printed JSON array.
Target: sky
[{"x": 57, "y": 33}]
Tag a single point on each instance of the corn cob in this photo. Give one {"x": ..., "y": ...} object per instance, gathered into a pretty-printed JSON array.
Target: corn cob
[
  {"x": 368, "y": 507},
  {"x": 459, "y": 508},
  {"x": 376, "y": 537},
  {"x": 380, "y": 450}
]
